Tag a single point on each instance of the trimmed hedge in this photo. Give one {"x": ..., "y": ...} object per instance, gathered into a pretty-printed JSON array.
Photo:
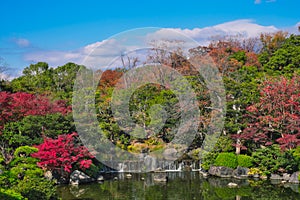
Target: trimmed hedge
[
  {"x": 245, "y": 161},
  {"x": 226, "y": 160}
]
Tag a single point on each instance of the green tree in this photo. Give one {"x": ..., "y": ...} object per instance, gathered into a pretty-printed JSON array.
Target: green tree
[
  {"x": 23, "y": 176},
  {"x": 63, "y": 78},
  {"x": 286, "y": 59},
  {"x": 37, "y": 78},
  {"x": 31, "y": 129}
]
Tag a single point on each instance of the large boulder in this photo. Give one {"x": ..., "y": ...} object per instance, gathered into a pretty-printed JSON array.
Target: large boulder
[
  {"x": 286, "y": 176},
  {"x": 294, "y": 178},
  {"x": 170, "y": 154},
  {"x": 223, "y": 172},
  {"x": 276, "y": 177},
  {"x": 240, "y": 172},
  {"x": 77, "y": 177}
]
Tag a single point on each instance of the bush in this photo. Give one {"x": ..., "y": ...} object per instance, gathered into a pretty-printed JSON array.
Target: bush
[
  {"x": 10, "y": 195},
  {"x": 36, "y": 188},
  {"x": 245, "y": 161},
  {"x": 24, "y": 151},
  {"x": 272, "y": 160},
  {"x": 63, "y": 154},
  {"x": 224, "y": 144},
  {"x": 253, "y": 171},
  {"x": 23, "y": 179},
  {"x": 296, "y": 155},
  {"x": 226, "y": 160},
  {"x": 208, "y": 160}
]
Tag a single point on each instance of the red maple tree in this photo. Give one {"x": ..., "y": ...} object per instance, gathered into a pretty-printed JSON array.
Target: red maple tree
[
  {"x": 63, "y": 154},
  {"x": 276, "y": 117},
  {"x": 288, "y": 141},
  {"x": 15, "y": 106}
]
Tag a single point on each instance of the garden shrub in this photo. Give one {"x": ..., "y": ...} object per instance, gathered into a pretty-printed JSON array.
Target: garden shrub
[
  {"x": 24, "y": 151},
  {"x": 245, "y": 161},
  {"x": 224, "y": 144},
  {"x": 271, "y": 159},
  {"x": 253, "y": 171},
  {"x": 208, "y": 160},
  {"x": 226, "y": 160},
  {"x": 296, "y": 155},
  {"x": 36, "y": 188},
  {"x": 8, "y": 194}
]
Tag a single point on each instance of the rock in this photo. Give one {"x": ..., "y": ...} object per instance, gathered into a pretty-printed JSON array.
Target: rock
[
  {"x": 160, "y": 177},
  {"x": 204, "y": 174},
  {"x": 286, "y": 176},
  {"x": 128, "y": 176},
  {"x": 294, "y": 178},
  {"x": 77, "y": 177},
  {"x": 48, "y": 175},
  {"x": 223, "y": 172},
  {"x": 232, "y": 185},
  {"x": 74, "y": 182},
  {"x": 240, "y": 172},
  {"x": 158, "y": 169},
  {"x": 212, "y": 170},
  {"x": 62, "y": 181},
  {"x": 170, "y": 154},
  {"x": 276, "y": 177},
  {"x": 263, "y": 177},
  {"x": 100, "y": 178},
  {"x": 223, "y": 182},
  {"x": 255, "y": 175}
]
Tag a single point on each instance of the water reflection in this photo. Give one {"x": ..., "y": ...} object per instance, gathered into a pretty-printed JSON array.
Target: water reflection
[{"x": 183, "y": 185}]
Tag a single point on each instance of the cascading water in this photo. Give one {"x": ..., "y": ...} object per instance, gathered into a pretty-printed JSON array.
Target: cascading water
[{"x": 152, "y": 164}]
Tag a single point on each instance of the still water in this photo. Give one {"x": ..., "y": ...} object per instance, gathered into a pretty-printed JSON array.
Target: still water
[{"x": 181, "y": 185}]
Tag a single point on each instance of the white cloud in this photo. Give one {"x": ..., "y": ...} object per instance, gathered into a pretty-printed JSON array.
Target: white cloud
[
  {"x": 95, "y": 55},
  {"x": 22, "y": 42},
  {"x": 244, "y": 28},
  {"x": 293, "y": 29},
  {"x": 101, "y": 54},
  {"x": 5, "y": 76}
]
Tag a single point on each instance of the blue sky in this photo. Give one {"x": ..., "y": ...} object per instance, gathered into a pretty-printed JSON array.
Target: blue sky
[{"x": 29, "y": 27}]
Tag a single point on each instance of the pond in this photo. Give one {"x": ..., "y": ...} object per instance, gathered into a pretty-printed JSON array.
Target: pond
[{"x": 180, "y": 185}]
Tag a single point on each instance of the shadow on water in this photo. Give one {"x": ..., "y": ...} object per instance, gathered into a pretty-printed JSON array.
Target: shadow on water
[{"x": 182, "y": 185}]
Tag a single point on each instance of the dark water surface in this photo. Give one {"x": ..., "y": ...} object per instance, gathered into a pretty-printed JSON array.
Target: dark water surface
[{"x": 182, "y": 185}]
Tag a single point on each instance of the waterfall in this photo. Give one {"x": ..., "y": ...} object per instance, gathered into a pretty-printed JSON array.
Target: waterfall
[
  {"x": 149, "y": 164},
  {"x": 121, "y": 167}
]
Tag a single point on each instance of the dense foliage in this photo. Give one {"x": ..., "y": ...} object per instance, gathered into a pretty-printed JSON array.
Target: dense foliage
[
  {"x": 245, "y": 161},
  {"x": 227, "y": 160},
  {"x": 262, "y": 82},
  {"x": 63, "y": 154}
]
